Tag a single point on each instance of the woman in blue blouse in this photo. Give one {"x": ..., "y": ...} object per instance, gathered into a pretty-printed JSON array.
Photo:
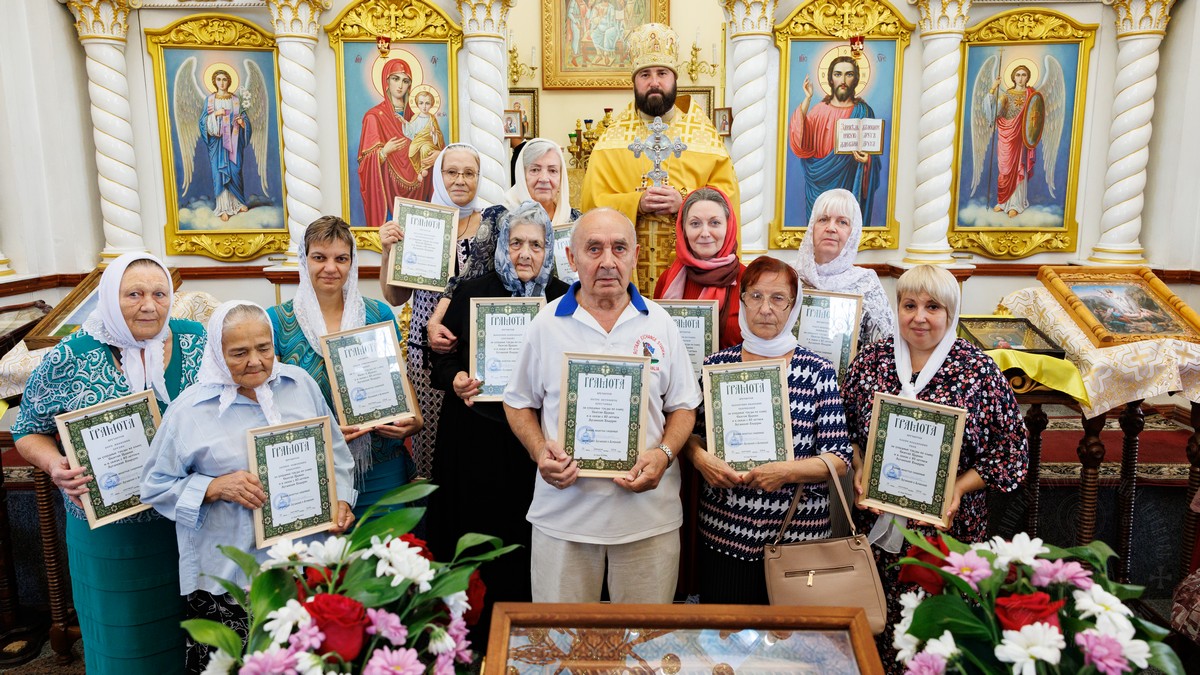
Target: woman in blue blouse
[
  {"x": 740, "y": 513},
  {"x": 124, "y": 576},
  {"x": 328, "y": 301}
]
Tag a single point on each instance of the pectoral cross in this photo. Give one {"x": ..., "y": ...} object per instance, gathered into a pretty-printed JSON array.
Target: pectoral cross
[{"x": 657, "y": 147}]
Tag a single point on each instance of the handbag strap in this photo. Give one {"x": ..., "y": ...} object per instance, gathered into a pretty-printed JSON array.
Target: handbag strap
[{"x": 837, "y": 484}]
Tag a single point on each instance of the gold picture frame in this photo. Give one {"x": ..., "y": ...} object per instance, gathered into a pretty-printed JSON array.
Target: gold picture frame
[
  {"x": 428, "y": 40},
  {"x": 702, "y": 95},
  {"x": 1053, "y": 49},
  {"x": 666, "y": 638},
  {"x": 564, "y": 68},
  {"x": 187, "y": 57},
  {"x": 811, "y": 37},
  {"x": 1119, "y": 305},
  {"x": 526, "y": 100}
]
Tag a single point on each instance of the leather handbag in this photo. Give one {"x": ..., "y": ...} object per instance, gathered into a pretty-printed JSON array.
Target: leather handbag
[{"x": 825, "y": 572}]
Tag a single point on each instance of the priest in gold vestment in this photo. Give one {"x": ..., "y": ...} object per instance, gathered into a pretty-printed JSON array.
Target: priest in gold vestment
[{"x": 614, "y": 174}]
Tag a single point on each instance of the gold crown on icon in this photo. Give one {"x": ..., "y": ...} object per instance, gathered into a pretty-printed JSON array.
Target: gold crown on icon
[{"x": 653, "y": 44}]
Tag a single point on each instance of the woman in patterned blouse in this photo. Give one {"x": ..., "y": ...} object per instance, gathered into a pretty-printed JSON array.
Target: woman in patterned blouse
[
  {"x": 740, "y": 513},
  {"x": 925, "y": 361}
]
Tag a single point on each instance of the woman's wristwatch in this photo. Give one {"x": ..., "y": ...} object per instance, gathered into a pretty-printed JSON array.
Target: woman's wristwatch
[{"x": 667, "y": 451}]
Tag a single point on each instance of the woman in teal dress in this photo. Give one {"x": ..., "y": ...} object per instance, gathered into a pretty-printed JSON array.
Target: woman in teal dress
[
  {"x": 125, "y": 575},
  {"x": 328, "y": 301}
]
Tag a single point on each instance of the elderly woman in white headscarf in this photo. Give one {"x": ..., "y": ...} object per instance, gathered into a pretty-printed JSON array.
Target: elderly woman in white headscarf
[
  {"x": 924, "y": 360},
  {"x": 197, "y": 473},
  {"x": 327, "y": 301},
  {"x": 127, "y": 345},
  {"x": 827, "y": 256},
  {"x": 455, "y": 184}
]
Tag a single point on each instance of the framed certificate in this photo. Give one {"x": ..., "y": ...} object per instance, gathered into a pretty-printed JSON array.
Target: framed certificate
[
  {"x": 601, "y": 412},
  {"x": 111, "y": 440},
  {"x": 912, "y": 457},
  {"x": 294, "y": 463},
  {"x": 562, "y": 266},
  {"x": 368, "y": 377},
  {"x": 748, "y": 419},
  {"x": 425, "y": 257},
  {"x": 829, "y": 324},
  {"x": 498, "y": 328},
  {"x": 697, "y": 324}
]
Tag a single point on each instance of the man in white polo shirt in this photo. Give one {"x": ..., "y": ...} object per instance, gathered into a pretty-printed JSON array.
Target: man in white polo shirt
[{"x": 630, "y": 522}]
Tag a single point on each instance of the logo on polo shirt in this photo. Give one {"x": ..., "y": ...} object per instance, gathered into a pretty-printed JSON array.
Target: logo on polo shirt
[{"x": 648, "y": 345}]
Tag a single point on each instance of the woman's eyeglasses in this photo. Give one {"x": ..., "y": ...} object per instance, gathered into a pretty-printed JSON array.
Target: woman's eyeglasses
[
  {"x": 452, "y": 176},
  {"x": 778, "y": 302}
]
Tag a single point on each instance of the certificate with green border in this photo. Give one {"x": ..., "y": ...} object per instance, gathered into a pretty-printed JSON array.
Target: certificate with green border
[
  {"x": 828, "y": 326},
  {"x": 562, "y": 266},
  {"x": 747, "y": 414},
  {"x": 367, "y": 376},
  {"x": 498, "y": 327},
  {"x": 111, "y": 441},
  {"x": 911, "y": 458},
  {"x": 294, "y": 463},
  {"x": 698, "y": 326},
  {"x": 425, "y": 257},
  {"x": 602, "y": 411}
]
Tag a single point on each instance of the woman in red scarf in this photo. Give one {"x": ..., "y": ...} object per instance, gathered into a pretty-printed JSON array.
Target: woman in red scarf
[{"x": 706, "y": 263}]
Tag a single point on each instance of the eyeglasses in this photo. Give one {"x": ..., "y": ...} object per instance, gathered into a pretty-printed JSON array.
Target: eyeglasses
[
  {"x": 778, "y": 301},
  {"x": 515, "y": 245},
  {"x": 452, "y": 176}
]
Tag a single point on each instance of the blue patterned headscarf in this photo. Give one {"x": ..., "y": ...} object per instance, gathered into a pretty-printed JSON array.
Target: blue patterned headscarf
[{"x": 528, "y": 212}]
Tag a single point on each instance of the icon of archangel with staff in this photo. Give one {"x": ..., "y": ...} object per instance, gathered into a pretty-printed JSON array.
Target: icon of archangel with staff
[{"x": 224, "y": 111}]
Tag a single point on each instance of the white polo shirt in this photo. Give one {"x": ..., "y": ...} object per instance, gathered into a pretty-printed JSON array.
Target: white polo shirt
[{"x": 595, "y": 510}]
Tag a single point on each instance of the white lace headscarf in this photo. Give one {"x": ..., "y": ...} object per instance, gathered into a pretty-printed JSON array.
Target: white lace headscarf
[
  {"x": 534, "y": 149},
  {"x": 780, "y": 345},
  {"x": 308, "y": 308},
  {"x": 939, "y": 284},
  {"x": 441, "y": 196},
  {"x": 214, "y": 372},
  {"x": 839, "y": 273},
  {"x": 144, "y": 361}
]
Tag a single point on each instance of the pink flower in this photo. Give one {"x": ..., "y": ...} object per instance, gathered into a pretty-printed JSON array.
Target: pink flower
[
  {"x": 309, "y": 638},
  {"x": 1103, "y": 652},
  {"x": 273, "y": 661},
  {"x": 462, "y": 646},
  {"x": 1046, "y": 572},
  {"x": 444, "y": 664},
  {"x": 386, "y": 661},
  {"x": 388, "y": 626},
  {"x": 969, "y": 566},
  {"x": 926, "y": 663}
]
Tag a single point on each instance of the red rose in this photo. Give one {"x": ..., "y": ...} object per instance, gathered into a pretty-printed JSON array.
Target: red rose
[
  {"x": 475, "y": 592},
  {"x": 418, "y": 544},
  {"x": 1017, "y": 611},
  {"x": 929, "y": 580},
  {"x": 342, "y": 620}
]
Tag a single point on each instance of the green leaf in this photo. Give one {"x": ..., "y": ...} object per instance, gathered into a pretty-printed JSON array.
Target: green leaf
[
  {"x": 472, "y": 539},
  {"x": 1151, "y": 630},
  {"x": 379, "y": 592},
  {"x": 947, "y": 613},
  {"x": 270, "y": 591},
  {"x": 216, "y": 634},
  {"x": 1165, "y": 659},
  {"x": 453, "y": 581},
  {"x": 1126, "y": 591},
  {"x": 396, "y": 523},
  {"x": 409, "y": 492},
  {"x": 243, "y": 559},
  {"x": 238, "y": 593},
  {"x": 917, "y": 539},
  {"x": 490, "y": 555}
]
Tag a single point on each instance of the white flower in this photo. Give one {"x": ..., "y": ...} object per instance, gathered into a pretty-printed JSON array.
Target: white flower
[
  {"x": 1096, "y": 601},
  {"x": 1117, "y": 626},
  {"x": 1021, "y": 549},
  {"x": 440, "y": 642},
  {"x": 400, "y": 561},
  {"x": 457, "y": 603},
  {"x": 219, "y": 663},
  {"x": 330, "y": 552},
  {"x": 309, "y": 664},
  {"x": 943, "y": 646},
  {"x": 283, "y": 552},
  {"x": 909, "y": 602},
  {"x": 1035, "y": 642},
  {"x": 281, "y": 621},
  {"x": 906, "y": 645}
]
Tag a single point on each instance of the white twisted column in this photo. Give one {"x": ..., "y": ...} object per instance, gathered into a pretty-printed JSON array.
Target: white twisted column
[
  {"x": 751, "y": 54},
  {"x": 296, "y": 24},
  {"x": 1140, "y": 29},
  {"x": 941, "y": 32},
  {"x": 102, "y": 25},
  {"x": 487, "y": 91}
]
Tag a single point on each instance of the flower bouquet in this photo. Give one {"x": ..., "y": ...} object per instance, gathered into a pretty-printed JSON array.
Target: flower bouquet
[
  {"x": 372, "y": 602},
  {"x": 1023, "y": 607}
]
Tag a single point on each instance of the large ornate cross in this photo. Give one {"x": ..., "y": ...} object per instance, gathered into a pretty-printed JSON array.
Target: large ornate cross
[{"x": 657, "y": 147}]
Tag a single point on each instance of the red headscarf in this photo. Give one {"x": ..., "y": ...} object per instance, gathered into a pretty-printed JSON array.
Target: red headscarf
[
  {"x": 718, "y": 275},
  {"x": 390, "y": 69}
]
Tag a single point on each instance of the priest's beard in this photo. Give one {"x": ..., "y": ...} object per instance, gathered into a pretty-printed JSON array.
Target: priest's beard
[{"x": 655, "y": 106}]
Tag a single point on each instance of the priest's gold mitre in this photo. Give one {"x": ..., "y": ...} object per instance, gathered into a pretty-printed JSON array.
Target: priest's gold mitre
[{"x": 653, "y": 44}]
